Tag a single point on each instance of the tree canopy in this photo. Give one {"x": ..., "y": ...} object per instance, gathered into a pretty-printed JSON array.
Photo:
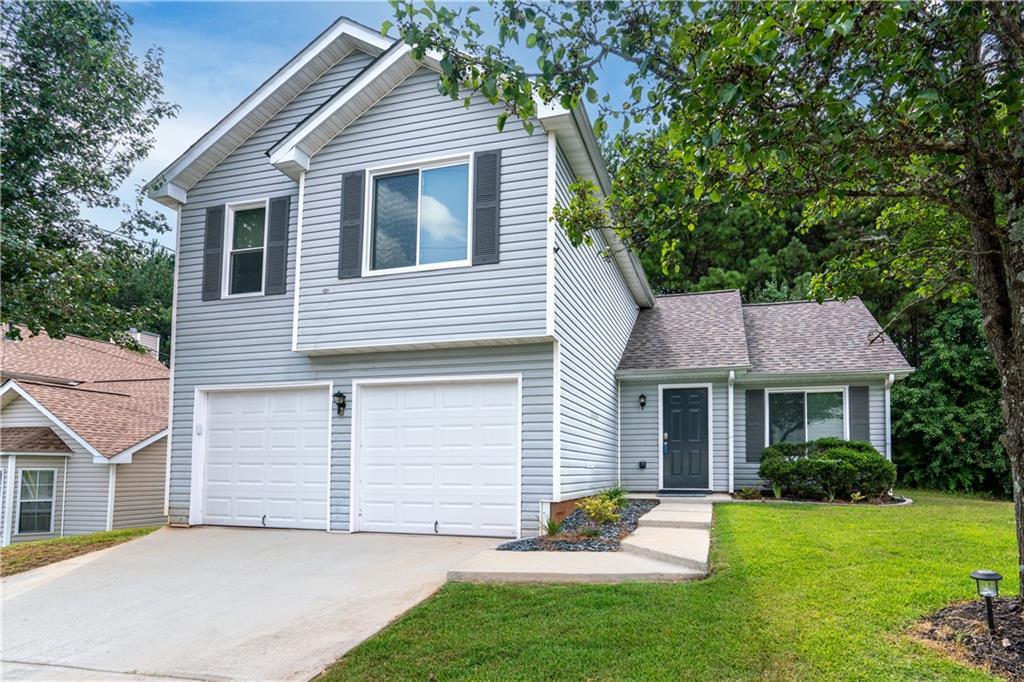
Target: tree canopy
[{"x": 80, "y": 110}]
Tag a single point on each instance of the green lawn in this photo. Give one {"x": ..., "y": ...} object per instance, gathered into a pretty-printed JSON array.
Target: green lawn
[
  {"x": 798, "y": 592},
  {"x": 24, "y": 556}
]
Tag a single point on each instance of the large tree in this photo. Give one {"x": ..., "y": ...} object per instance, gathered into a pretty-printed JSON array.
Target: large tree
[
  {"x": 79, "y": 112},
  {"x": 913, "y": 110}
]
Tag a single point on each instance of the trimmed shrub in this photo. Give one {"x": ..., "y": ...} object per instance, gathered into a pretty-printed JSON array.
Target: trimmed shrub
[
  {"x": 617, "y": 494},
  {"x": 829, "y": 467},
  {"x": 600, "y": 508}
]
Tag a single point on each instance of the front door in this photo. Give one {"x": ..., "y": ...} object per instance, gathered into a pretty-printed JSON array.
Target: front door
[{"x": 685, "y": 438}]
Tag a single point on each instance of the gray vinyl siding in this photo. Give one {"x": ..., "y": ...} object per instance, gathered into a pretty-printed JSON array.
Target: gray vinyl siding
[
  {"x": 413, "y": 123},
  {"x": 533, "y": 362},
  {"x": 640, "y": 438},
  {"x": 85, "y": 497},
  {"x": 746, "y": 472},
  {"x": 139, "y": 488},
  {"x": 594, "y": 314}
]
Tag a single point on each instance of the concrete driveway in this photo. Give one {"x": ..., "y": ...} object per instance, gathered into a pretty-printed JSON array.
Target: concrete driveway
[{"x": 217, "y": 603}]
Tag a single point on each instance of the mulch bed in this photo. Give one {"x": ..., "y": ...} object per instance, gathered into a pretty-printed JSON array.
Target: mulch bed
[
  {"x": 962, "y": 631},
  {"x": 769, "y": 497},
  {"x": 568, "y": 540}
]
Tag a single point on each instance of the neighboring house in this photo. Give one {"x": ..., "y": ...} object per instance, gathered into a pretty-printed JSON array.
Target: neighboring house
[
  {"x": 378, "y": 328},
  {"x": 83, "y": 436}
]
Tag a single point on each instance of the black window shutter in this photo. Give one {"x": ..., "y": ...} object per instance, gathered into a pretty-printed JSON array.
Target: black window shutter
[
  {"x": 277, "y": 246},
  {"x": 350, "y": 248},
  {"x": 213, "y": 253},
  {"x": 755, "y": 424},
  {"x": 486, "y": 206},
  {"x": 860, "y": 420}
]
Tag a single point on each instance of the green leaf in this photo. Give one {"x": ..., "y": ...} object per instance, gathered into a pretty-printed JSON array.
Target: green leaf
[
  {"x": 728, "y": 93},
  {"x": 887, "y": 27},
  {"x": 385, "y": 27}
]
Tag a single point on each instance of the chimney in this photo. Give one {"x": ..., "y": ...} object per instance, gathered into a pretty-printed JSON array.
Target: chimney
[{"x": 148, "y": 340}]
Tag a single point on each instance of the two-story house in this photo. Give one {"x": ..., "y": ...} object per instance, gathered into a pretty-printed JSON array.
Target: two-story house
[{"x": 379, "y": 328}]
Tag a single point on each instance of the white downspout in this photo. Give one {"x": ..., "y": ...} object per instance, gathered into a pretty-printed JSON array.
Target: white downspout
[
  {"x": 732, "y": 426},
  {"x": 12, "y": 467},
  {"x": 111, "y": 493},
  {"x": 64, "y": 496},
  {"x": 889, "y": 381}
]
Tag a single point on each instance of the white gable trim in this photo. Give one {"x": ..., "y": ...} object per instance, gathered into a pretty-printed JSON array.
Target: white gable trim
[
  {"x": 12, "y": 385},
  {"x": 172, "y": 184},
  {"x": 125, "y": 456}
]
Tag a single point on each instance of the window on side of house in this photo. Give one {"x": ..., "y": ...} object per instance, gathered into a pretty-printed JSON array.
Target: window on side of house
[
  {"x": 801, "y": 415},
  {"x": 36, "y": 500},
  {"x": 419, "y": 217},
  {"x": 246, "y": 243}
]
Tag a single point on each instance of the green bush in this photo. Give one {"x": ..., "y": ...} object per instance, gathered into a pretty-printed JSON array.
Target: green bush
[
  {"x": 617, "y": 495},
  {"x": 829, "y": 467},
  {"x": 748, "y": 494},
  {"x": 600, "y": 508}
]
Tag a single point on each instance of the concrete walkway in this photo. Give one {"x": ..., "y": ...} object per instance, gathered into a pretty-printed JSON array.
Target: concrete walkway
[
  {"x": 217, "y": 603},
  {"x": 671, "y": 544}
]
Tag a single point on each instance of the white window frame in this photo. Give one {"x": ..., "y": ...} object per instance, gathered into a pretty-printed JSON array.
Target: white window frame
[
  {"x": 53, "y": 502},
  {"x": 844, "y": 390},
  {"x": 419, "y": 165},
  {"x": 229, "y": 236}
]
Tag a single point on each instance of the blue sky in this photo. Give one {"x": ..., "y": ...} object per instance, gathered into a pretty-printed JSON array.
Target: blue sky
[{"x": 217, "y": 53}]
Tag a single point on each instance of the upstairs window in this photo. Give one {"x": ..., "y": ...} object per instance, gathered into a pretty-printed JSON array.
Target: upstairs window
[
  {"x": 419, "y": 217},
  {"x": 805, "y": 415},
  {"x": 246, "y": 242},
  {"x": 36, "y": 500}
]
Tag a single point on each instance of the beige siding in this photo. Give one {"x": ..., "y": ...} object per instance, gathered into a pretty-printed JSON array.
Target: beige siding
[
  {"x": 139, "y": 488},
  {"x": 19, "y": 412}
]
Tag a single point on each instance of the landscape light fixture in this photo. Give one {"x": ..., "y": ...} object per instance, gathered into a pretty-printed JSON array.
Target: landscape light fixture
[
  {"x": 988, "y": 589},
  {"x": 339, "y": 401},
  {"x": 643, "y": 401}
]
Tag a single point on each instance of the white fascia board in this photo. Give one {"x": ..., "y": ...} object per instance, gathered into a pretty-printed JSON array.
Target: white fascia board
[
  {"x": 714, "y": 373},
  {"x": 12, "y": 385},
  {"x": 853, "y": 375},
  {"x": 365, "y": 39},
  {"x": 125, "y": 456},
  {"x": 169, "y": 194}
]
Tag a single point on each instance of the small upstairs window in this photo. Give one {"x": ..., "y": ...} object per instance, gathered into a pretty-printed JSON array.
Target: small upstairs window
[
  {"x": 419, "y": 217},
  {"x": 246, "y": 241}
]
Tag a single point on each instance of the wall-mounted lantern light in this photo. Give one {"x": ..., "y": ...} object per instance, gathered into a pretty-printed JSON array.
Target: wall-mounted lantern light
[
  {"x": 339, "y": 402},
  {"x": 643, "y": 401},
  {"x": 988, "y": 589}
]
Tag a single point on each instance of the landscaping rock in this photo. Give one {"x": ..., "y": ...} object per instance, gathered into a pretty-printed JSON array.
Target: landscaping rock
[{"x": 568, "y": 540}]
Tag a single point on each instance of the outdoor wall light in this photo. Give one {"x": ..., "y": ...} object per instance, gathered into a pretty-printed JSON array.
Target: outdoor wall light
[
  {"x": 339, "y": 402},
  {"x": 988, "y": 588},
  {"x": 643, "y": 401}
]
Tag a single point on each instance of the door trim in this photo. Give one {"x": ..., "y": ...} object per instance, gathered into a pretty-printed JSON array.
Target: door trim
[
  {"x": 357, "y": 386},
  {"x": 197, "y": 487},
  {"x": 661, "y": 430}
]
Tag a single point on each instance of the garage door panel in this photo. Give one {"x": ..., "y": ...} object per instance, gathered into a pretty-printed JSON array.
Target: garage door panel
[
  {"x": 438, "y": 453},
  {"x": 266, "y": 456}
]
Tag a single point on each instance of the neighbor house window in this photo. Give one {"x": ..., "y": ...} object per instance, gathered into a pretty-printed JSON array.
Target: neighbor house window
[
  {"x": 247, "y": 234},
  {"x": 805, "y": 415},
  {"x": 420, "y": 217},
  {"x": 35, "y": 501}
]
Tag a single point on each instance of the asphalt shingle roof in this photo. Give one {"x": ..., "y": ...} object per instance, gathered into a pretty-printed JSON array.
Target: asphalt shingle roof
[
  {"x": 112, "y": 397},
  {"x": 688, "y": 331},
  {"x": 31, "y": 439},
  {"x": 714, "y": 330}
]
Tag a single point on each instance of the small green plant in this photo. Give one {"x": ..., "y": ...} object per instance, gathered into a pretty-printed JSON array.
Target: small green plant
[
  {"x": 856, "y": 497},
  {"x": 589, "y": 531},
  {"x": 552, "y": 527},
  {"x": 617, "y": 495},
  {"x": 748, "y": 494},
  {"x": 599, "y": 509},
  {"x": 777, "y": 490}
]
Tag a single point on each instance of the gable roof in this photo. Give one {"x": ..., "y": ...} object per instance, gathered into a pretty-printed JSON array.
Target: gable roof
[
  {"x": 716, "y": 331},
  {"x": 106, "y": 397},
  {"x": 688, "y": 332},
  {"x": 31, "y": 439}
]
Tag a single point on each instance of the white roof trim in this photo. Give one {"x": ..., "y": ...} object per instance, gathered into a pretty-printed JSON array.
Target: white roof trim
[
  {"x": 171, "y": 185},
  {"x": 12, "y": 385}
]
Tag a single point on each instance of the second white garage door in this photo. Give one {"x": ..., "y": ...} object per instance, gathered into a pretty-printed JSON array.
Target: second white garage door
[
  {"x": 438, "y": 458},
  {"x": 266, "y": 458}
]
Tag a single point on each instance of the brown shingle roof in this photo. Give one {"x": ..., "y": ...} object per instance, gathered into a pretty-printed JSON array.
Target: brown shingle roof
[
  {"x": 688, "y": 331},
  {"x": 113, "y": 398},
  {"x": 31, "y": 439},
  {"x": 808, "y": 337}
]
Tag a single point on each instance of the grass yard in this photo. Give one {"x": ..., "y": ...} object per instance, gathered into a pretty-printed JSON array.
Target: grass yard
[
  {"x": 798, "y": 592},
  {"x": 24, "y": 556}
]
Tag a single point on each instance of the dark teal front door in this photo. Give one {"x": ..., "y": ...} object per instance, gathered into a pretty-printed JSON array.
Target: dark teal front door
[{"x": 685, "y": 439}]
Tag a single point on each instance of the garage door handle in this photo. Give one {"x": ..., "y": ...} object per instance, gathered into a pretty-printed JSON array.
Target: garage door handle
[
  {"x": 435, "y": 526},
  {"x": 264, "y": 520}
]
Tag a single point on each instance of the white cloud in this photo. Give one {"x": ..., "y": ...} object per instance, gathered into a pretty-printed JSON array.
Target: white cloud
[{"x": 437, "y": 220}]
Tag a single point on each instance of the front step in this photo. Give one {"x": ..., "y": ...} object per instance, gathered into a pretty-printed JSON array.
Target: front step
[
  {"x": 686, "y": 547},
  {"x": 494, "y": 566},
  {"x": 678, "y": 516}
]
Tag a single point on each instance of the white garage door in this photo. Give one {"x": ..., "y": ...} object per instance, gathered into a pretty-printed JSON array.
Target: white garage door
[
  {"x": 438, "y": 458},
  {"x": 266, "y": 458}
]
